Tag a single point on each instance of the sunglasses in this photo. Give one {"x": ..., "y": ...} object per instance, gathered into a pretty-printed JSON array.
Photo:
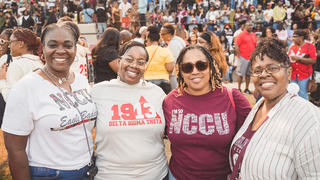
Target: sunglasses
[
  {"x": 200, "y": 65},
  {"x": 2, "y": 41}
]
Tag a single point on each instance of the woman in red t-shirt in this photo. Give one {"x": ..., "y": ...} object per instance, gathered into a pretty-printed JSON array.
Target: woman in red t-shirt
[{"x": 202, "y": 117}]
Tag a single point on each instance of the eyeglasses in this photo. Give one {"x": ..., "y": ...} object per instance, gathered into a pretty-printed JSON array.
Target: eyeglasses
[
  {"x": 270, "y": 69},
  {"x": 13, "y": 41},
  {"x": 140, "y": 63},
  {"x": 200, "y": 65},
  {"x": 2, "y": 41}
]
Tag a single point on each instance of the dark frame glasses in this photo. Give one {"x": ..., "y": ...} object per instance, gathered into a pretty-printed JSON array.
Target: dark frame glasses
[{"x": 189, "y": 67}]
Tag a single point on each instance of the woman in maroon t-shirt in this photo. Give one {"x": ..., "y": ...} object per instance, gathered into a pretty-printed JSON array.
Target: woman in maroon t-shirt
[{"x": 202, "y": 118}]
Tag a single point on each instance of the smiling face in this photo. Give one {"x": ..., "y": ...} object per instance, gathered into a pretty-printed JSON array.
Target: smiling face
[
  {"x": 132, "y": 65},
  {"x": 59, "y": 50},
  {"x": 4, "y": 44},
  {"x": 271, "y": 86},
  {"x": 16, "y": 46},
  {"x": 197, "y": 81}
]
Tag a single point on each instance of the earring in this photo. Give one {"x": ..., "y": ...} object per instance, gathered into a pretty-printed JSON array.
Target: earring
[
  {"x": 143, "y": 81},
  {"x": 118, "y": 77}
]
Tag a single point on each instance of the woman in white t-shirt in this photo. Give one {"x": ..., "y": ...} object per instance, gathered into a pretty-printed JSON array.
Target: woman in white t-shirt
[
  {"x": 130, "y": 123},
  {"x": 50, "y": 115}
]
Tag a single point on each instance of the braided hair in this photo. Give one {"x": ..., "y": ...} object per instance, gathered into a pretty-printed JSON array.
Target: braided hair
[{"x": 215, "y": 75}]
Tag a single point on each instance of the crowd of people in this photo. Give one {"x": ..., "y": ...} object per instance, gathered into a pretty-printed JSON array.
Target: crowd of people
[{"x": 151, "y": 77}]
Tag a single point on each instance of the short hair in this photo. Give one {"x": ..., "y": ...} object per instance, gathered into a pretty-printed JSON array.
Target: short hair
[
  {"x": 273, "y": 48},
  {"x": 215, "y": 75},
  {"x": 128, "y": 45},
  {"x": 70, "y": 26},
  {"x": 169, "y": 27},
  {"x": 153, "y": 33},
  {"x": 301, "y": 32}
]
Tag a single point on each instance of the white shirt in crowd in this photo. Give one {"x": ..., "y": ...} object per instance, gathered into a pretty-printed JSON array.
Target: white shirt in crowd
[
  {"x": 124, "y": 8},
  {"x": 19, "y": 67}
]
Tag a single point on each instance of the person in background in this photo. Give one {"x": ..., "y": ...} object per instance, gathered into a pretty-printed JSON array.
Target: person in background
[
  {"x": 142, "y": 35},
  {"x": 302, "y": 55},
  {"x": 50, "y": 115},
  {"x": 202, "y": 117},
  {"x": 130, "y": 124},
  {"x": 160, "y": 64},
  {"x": 125, "y": 36},
  {"x": 106, "y": 55},
  {"x": 24, "y": 48},
  {"x": 212, "y": 42},
  {"x": 175, "y": 44},
  {"x": 244, "y": 46},
  {"x": 268, "y": 31},
  {"x": 280, "y": 138}
]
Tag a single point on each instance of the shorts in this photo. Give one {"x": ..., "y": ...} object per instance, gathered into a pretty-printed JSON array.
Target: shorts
[{"x": 244, "y": 68}]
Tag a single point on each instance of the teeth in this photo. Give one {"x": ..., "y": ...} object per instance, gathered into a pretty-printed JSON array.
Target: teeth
[
  {"x": 132, "y": 74},
  {"x": 196, "y": 79},
  {"x": 59, "y": 60},
  {"x": 267, "y": 84}
]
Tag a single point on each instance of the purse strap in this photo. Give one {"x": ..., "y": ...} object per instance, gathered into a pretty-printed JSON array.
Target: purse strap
[{"x": 151, "y": 59}]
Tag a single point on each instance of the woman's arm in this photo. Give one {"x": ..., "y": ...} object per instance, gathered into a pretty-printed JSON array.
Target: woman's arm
[
  {"x": 18, "y": 160},
  {"x": 169, "y": 67}
]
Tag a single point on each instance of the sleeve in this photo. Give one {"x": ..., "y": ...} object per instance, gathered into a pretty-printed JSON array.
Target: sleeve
[
  {"x": 307, "y": 156},
  {"x": 242, "y": 107},
  {"x": 169, "y": 57},
  {"x": 14, "y": 74},
  {"x": 312, "y": 51},
  {"x": 18, "y": 117}
]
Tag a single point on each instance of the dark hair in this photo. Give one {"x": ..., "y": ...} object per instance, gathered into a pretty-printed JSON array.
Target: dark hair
[
  {"x": 70, "y": 26},
  {"x": 273, "y": 48},
  {"x": 215, "y": 75},
  {"x": 153, "y": 33},
  {"x": 169, "y": 27},
  {"x": 110, "y": 38},
  {"x": 264, "y": 31},
  {"x": 301, "y": 32},
  {"x": 29, "y": 38},
  {"x": 126, "y": 46},
  {"x": 65, "y": 19}
]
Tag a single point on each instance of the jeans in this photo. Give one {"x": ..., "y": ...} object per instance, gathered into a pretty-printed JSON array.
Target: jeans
[
  {"x": 42, "y": 173},
  {"x": 229, "y": 74},
  {"x": 162, "y": 5},
  {"x": 171, "y": 176},
  {"x": 303, "y": 85},
  {"x": 101, "y": 27}
]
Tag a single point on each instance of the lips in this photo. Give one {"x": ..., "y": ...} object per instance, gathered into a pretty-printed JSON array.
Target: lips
[
  {"x": 196, "y": 79},
  {"x": 132, "y": 74},
  {"x": 267, "y": 84}
]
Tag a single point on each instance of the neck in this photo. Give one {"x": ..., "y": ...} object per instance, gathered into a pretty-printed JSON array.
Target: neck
[
  {"x": 57, "y": 74},
  {"x": 198, "y": 92},
  {"x": 154, "y": 43},
  {"x": 270, "y": 103}
]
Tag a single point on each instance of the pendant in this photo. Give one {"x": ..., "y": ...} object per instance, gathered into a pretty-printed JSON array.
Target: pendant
[{"x": 60, "y": 81}]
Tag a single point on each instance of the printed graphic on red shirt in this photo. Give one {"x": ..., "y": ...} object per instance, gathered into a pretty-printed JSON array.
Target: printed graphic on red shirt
[
  {"x": 206, "y": 124},
  {"x": 140, "y": 113}
]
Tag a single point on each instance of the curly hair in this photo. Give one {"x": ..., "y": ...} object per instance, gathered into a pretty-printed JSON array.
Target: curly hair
[
  {"x": 29, "y": 38},
  {"x": 215, "y": 75},
  {"x": 216, "y": 50},
  {"x": 273, "y": 48}
]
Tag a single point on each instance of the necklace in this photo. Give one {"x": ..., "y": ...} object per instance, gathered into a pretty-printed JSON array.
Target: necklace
[{"x": 60, "y": 80}]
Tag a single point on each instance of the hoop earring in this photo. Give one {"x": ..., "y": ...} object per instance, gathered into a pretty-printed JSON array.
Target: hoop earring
[{"x": 143, "y": 81}]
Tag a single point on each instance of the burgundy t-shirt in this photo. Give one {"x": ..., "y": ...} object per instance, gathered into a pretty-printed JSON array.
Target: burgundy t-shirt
[
  {"x": 200, "y": 129},
  {"x": 239, "y": 146}
]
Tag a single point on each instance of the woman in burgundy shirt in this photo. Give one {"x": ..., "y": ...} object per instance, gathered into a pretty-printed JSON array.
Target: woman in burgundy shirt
[{"x": 202, "y": 117}]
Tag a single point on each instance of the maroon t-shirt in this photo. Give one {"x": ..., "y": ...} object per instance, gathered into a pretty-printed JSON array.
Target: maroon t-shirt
[
  {"x": 238, "y": 149},
  {"x": 200, "y": 129}
]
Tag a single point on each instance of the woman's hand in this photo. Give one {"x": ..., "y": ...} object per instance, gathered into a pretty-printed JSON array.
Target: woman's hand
[{"x": 3, "y": 71}]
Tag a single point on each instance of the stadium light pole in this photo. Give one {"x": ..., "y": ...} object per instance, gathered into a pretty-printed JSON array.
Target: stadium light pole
[{"x": 61, "y": 9}]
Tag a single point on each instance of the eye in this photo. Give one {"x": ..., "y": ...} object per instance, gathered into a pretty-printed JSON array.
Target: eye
[
  {"x": 51, "y": 45},
  {"x": 69, "y": 46},
  {"x": 141, "y": 62},
  {"x": 257, "y": 71}
]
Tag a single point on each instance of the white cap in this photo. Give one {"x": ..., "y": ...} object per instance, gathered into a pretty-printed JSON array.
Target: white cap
[{"x": 143, "y": 28}]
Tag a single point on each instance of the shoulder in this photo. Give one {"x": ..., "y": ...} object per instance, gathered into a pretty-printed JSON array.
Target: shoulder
[
  {"x": 170, "y": 97},
  {"x": 28, "y": 81}
]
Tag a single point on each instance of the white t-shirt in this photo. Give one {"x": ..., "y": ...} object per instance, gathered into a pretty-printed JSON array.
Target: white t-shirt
[
  {"x": 38, "y": 109},
  {"x": 19, "y": 67},
  {"x": 130, "y": 129},
  {"x": 124, "y": 8},
  {"x": 79, "y": 64}
]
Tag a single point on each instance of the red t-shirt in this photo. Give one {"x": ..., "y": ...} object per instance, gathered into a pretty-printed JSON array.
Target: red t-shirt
[
  {"x": 200, "y": 129},
  {"x": 299, "y": 70},
  {"x": 247, "y": 42}
]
